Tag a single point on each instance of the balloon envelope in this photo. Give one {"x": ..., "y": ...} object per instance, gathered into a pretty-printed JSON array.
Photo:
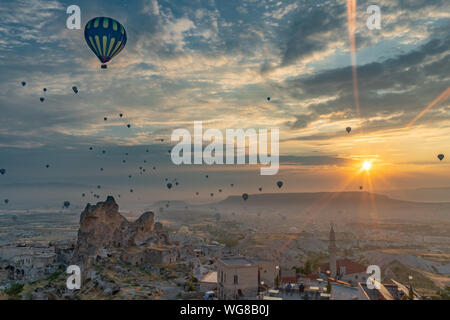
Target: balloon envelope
[
  {"x": 280, "y": 184},
  {"x": 440, "y": 156},
  {"x": 106, "y": 37},
  {"x": 348, "y": 129},
  {"x": 245, "y": 196}
]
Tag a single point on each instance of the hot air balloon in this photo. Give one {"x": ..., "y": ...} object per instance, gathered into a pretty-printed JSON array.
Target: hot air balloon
[
  {"x": 348, "y": 129},
  {"x": 121, "y": 115},
  {"x": 103, "y": 151},
  {"x": 75, "y": 89},
  {"x": 245, "y": 196},
  {"x": 47, "y": 166},
  {"x": 260, "y": 189},
  {"x": 106, "y": 37},
  {"x": 206, "y": 176},
  {"x": 280, "y": 184},
  {"x": 360, "y": 187},
  {"x": 6, "y": 201},
  {"x": 42, "y": 99},
  {"x": 66, "y": 204},
  {"x": 220, "y": 190},
  {"x": 268, "y": 98},
  {"x": 131, "y": 190},
  {"x": 211, "y": 194},
  {"x": 23, "y": 83},
  {"x": 128, "y": 125},
  {"x": 2, "y": 171},
  {"x": 83, "y": 195},
  {"x": 440, "y": 156},
  {"x": 169, "y": 186},
  {"x": 45, "y": 89},
  {"x": 105, "y": 118},
  {"x": 232, "y": 185},
  {"x": 196, "y": 193},
  {"x": 90, "y": 148}
]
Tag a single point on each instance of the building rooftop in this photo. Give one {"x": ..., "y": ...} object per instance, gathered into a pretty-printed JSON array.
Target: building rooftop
[{"x": 237, "y": 262}]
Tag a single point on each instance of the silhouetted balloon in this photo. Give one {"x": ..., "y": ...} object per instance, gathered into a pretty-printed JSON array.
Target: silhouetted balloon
[
  {"x": 206, "y": 176},
  {"x": 103, "y": 151},
  {"x": 245, "y": 196},
  {"x": 6, "y": 201},
  {"x": 121, "y": 115},
  {"x": 83, "y": 195},
  {"x": 220, "y": 190},
  {"x": 169, "y": 186},
  {"x": 232, "y": 185},
  {"x": 45, "y": 89},
  {"x": 280, "y": 184},
  {"x": 268, "y": 98},
  {"x": 106, "y": 37},
  {"x": 23, "y": 83},
  {"x": 66, "y": 204},
  {"x": 42, "y": 99},
  {"x": 90, "y": 148},
  {"x": 211, "y": 194},
  {"x": 176, "y": 183},
  {"x": 131, "y": 190},
  {"x": 260, "y": 189},
  {"x": 196, "y": 193},
  {"x": 105, "y": 118},
  {"x": 2, "y": 171},
  {"x": 128, "y": 125},
  {"x": 47, "y": 166},
  {"x": 348, "y": 129},
  {"x": 75, "y": 89},
  {"x": 99, "y": 186},
  {"x": 360, "y": 187},
  {"x": 440, "y": 156}
]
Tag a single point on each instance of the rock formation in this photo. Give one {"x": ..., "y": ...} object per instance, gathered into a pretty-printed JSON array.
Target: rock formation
[{"x": 102, "y": 226}]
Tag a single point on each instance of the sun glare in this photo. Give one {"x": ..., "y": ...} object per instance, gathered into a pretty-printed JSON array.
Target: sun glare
[{"x": 366, "y": 166}]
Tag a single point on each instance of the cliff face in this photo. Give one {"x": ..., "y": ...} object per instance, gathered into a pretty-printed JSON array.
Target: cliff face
[{"x": 102, "y": 226}]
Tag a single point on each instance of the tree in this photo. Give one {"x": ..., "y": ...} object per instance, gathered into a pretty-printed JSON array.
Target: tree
[
  {"x": 277, "y": 281},
  {"x": 329, "y": 287}
]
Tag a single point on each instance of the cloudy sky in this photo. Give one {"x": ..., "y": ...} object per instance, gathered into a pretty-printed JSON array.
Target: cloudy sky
[{"x": 217, "y": 61}]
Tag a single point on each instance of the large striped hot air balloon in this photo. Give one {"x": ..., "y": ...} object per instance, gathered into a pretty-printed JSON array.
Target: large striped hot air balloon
[{"x": 106, "y": 37}]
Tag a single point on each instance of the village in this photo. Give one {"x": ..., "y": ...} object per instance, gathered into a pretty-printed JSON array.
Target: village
[{"x": 145, "y": 259}]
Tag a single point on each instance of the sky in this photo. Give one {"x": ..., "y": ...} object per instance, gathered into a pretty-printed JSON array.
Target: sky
[{"x": 217, "y": 62}]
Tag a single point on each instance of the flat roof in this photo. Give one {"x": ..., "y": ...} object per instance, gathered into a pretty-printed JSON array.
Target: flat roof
[{"x": 244, "y": 262}]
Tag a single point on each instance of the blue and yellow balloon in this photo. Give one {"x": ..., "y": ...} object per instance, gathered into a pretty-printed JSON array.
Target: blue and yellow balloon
[{"x": 106, "y": 37}]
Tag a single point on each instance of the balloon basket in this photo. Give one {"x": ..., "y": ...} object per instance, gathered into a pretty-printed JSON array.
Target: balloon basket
[{"x": 104, "y": 66}]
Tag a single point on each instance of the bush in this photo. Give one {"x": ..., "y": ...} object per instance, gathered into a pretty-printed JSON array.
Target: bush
[{"x": 15, "y": 289}]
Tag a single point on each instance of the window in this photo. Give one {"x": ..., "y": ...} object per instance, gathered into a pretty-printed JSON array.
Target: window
[{"x": 235, "y": 280}]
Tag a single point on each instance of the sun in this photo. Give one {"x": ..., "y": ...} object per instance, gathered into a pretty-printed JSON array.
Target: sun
[{"x": 366, "y": 166}]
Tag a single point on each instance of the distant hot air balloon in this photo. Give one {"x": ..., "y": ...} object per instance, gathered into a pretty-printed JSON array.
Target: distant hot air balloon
[
  {"x": 83, "y": 195},
  {"x": 440, "y": 156},
  {"x": 348, "y": 129},
  {"x": 66, "y": 204},
  {"x": 196, "y": 193},
  {"x": 6, "y": 201},
  {"x": 268, "y": 98},
  {"x": 47, "y": 166},
  {"x": 128, "y": 125},
  {"x": 260, "y": 189},
  {"x": 45, "y": 89},
  {"x": 105, "y": 118},
  {"x": 169, "y": 186},
  {"x": 121, "y": 115},
  {"x": 206, "y": 176},
  {"x": 75, "y": 89},
  {"x": 90, "y": 148},
  {"x": 280, "y": 184},
  {"x": 232, "y": 185},
  {"x": 131, "y": 190},
  {"x": 106, "y": 37},
  {"x": 245, "y": 196},
  {"x": 2, "y": 171},
  {"x": 360, "y": 187},
  {"x": 211, "y": 194},
  {"x": 23, "y": 83},
  {"x": 220, "y": 190},
  {"x": 42, "y": 99}
]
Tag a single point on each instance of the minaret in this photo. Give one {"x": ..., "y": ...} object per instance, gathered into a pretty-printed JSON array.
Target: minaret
[{"x": 332, "y": 252}]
